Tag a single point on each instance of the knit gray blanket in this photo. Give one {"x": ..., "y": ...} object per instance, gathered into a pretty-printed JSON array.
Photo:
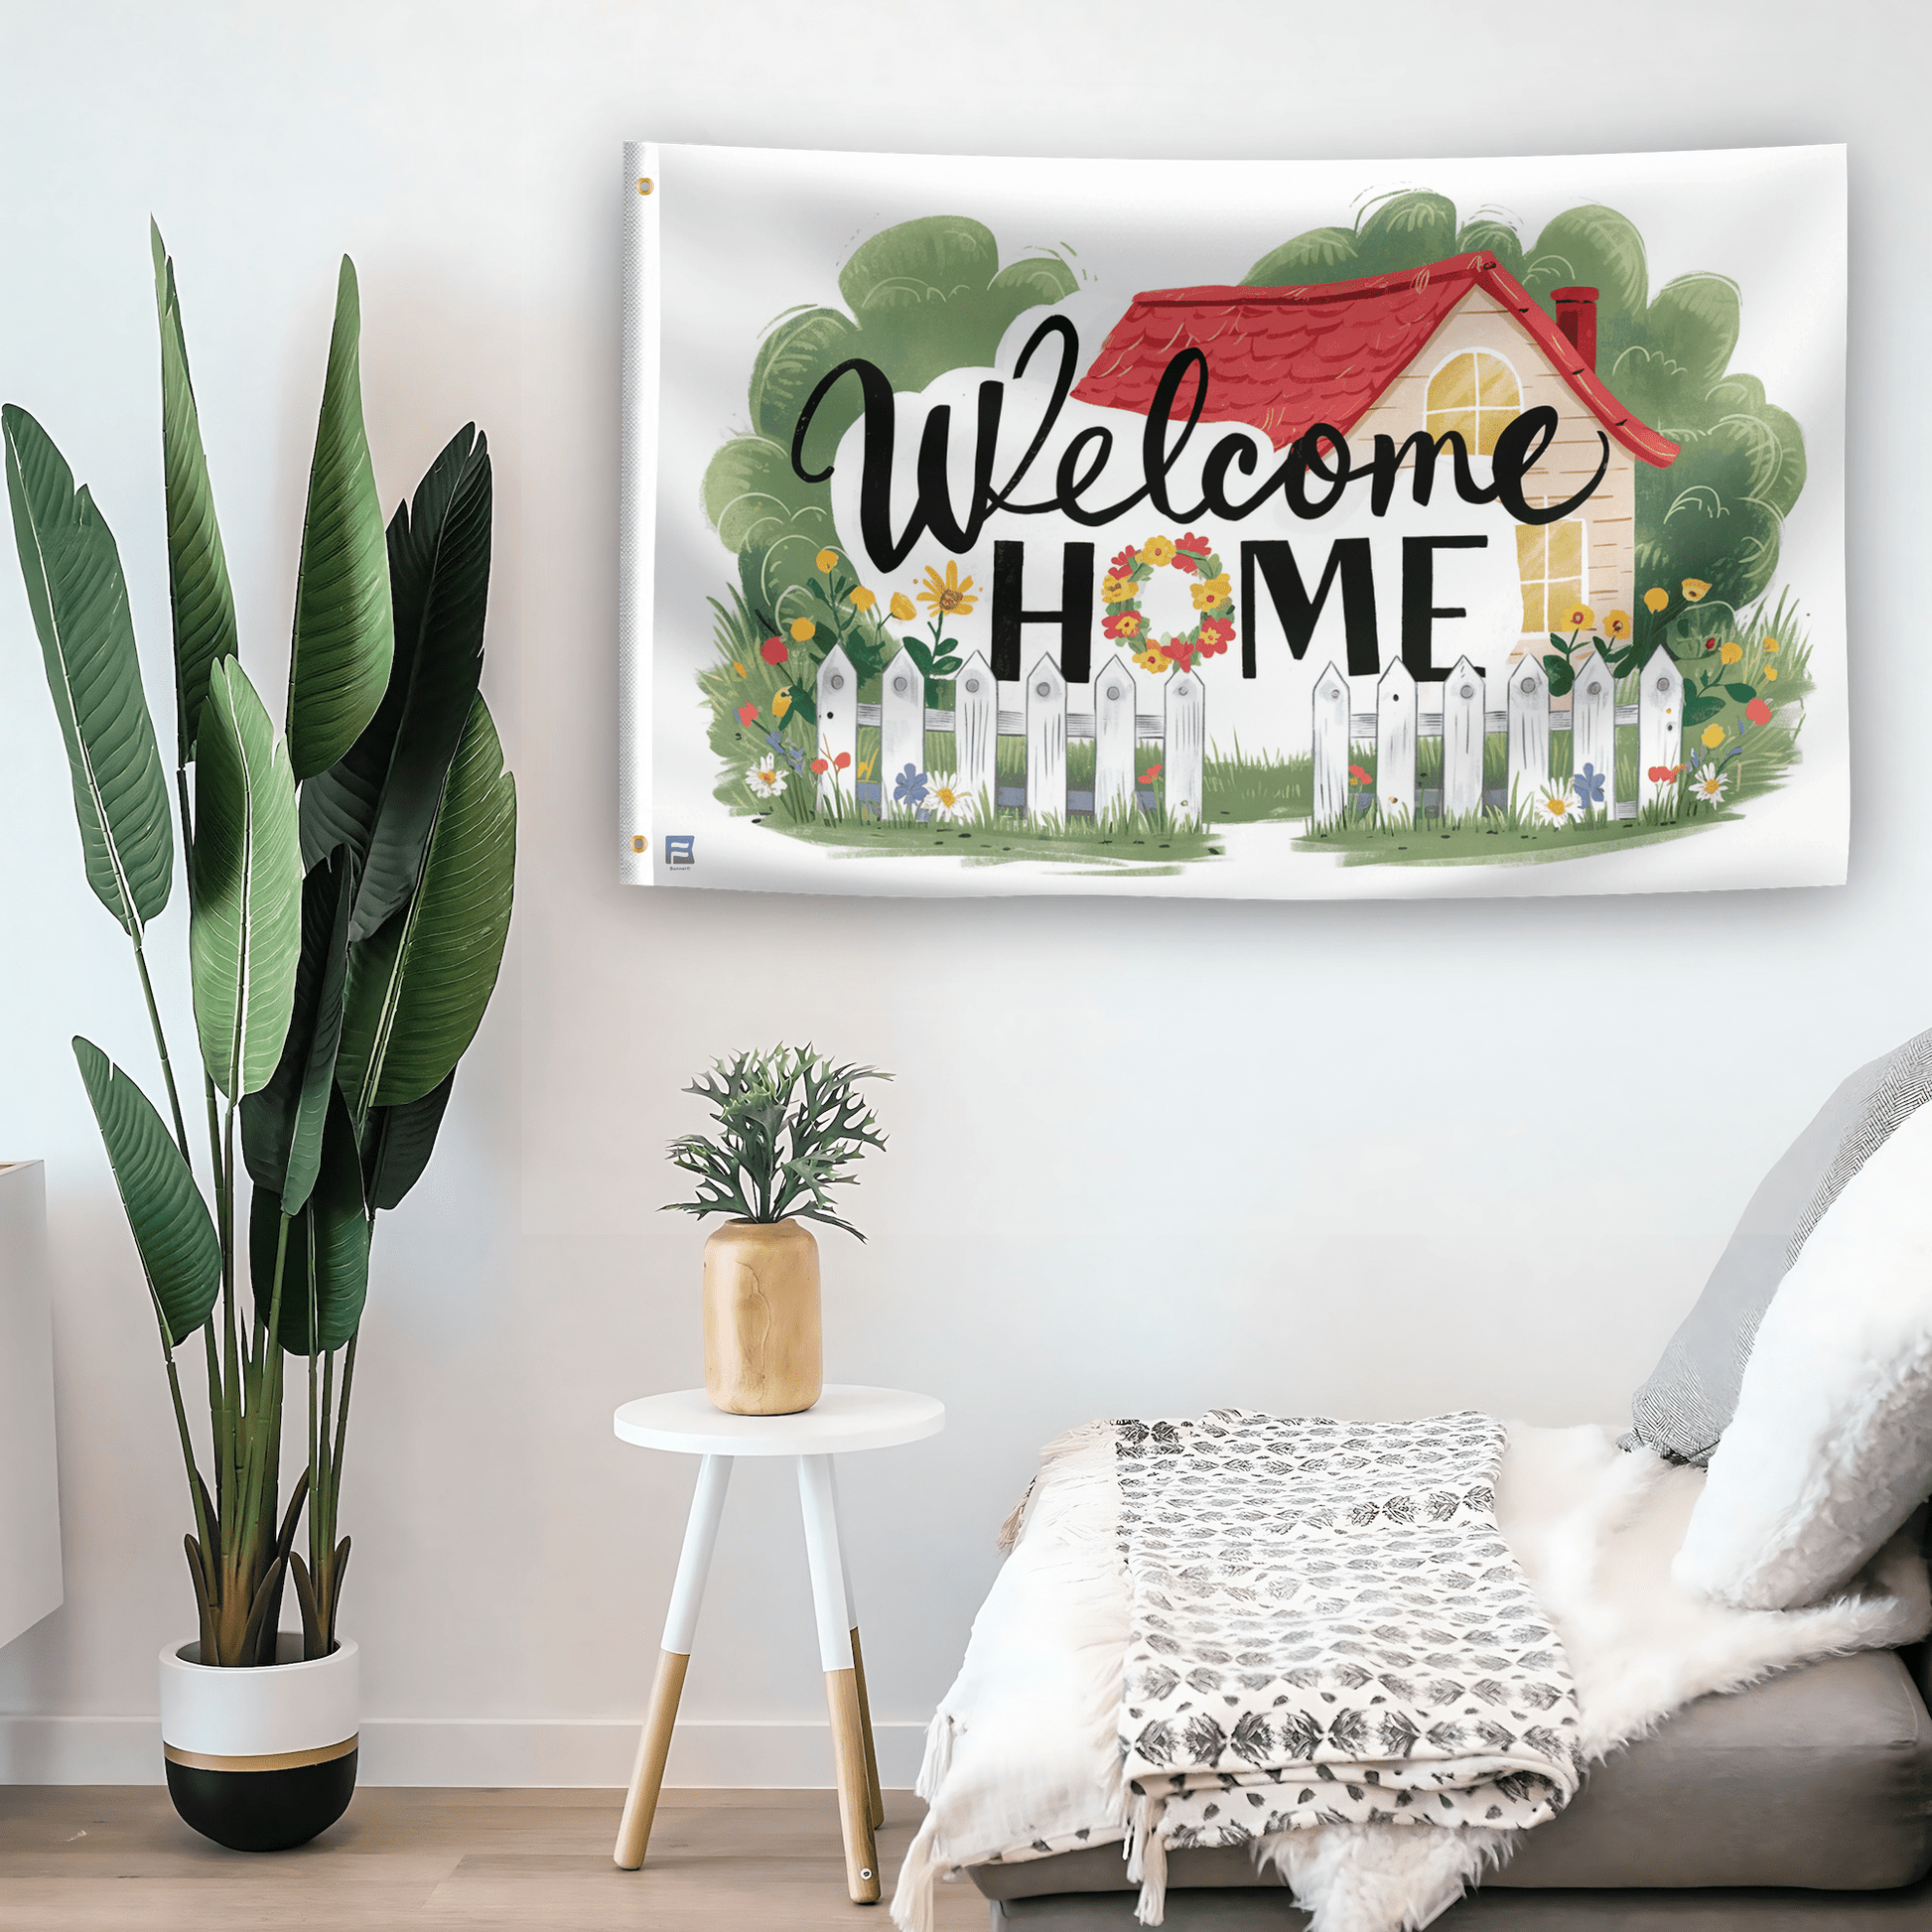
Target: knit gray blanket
[{"x": 1328, "y": 1628}]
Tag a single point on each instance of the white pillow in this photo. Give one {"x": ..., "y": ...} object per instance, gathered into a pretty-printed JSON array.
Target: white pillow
[{"x": 1831, "y": 1447}]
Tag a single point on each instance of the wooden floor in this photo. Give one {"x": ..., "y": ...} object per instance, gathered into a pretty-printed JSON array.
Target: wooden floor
[{"x": 88, "y": 1859}]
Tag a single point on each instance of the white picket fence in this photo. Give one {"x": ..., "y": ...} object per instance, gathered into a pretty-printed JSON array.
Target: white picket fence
[
  {"x": 977, "y": 724},
  {"x": 1396, "y": 725}
]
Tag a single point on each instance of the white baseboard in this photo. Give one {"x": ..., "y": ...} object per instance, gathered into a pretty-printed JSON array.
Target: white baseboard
[{"x": 481, "y": 1751}]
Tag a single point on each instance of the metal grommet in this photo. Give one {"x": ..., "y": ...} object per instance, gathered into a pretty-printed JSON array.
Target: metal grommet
[{"x": 644, "y": 184}]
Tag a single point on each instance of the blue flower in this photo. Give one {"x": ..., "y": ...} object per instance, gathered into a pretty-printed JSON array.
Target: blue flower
[
  {"x": 910, "y": 787},
  {"x": 793, "y": 755},
  {"x": 1588, "y": 785}
]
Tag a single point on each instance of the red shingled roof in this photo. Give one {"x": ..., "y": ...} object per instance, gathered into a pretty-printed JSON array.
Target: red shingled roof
[{"x": 1285, "y": 359}]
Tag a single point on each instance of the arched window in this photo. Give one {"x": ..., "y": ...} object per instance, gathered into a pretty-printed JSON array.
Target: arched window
[{"x": 1475, "y": 394}]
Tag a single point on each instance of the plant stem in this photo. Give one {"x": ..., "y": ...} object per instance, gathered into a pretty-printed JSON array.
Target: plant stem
[{"x": 161, "y": 1047}]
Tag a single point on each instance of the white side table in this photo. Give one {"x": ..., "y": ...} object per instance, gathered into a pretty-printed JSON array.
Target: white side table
[{"x": 842, "y": 1419}]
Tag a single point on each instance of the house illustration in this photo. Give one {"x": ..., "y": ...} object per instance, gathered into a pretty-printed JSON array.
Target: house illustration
[{"x": 1458, "y": 345}]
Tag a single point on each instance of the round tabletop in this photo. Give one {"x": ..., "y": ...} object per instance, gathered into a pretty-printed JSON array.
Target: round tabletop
[{"x": 844, "y": 1417}]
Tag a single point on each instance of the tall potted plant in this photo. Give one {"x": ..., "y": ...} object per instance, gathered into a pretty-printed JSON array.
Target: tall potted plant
[{"x": 350, "y": 888}]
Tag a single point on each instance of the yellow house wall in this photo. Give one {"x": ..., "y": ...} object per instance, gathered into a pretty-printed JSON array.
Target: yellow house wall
[{"x": 1479, "y": 321}]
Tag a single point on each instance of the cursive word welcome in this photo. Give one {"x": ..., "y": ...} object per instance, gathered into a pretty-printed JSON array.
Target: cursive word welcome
[{"x": 1311, "y": 479}]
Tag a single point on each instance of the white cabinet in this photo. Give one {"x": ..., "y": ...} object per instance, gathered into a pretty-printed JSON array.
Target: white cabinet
[{"x": 30, "y": 1503}]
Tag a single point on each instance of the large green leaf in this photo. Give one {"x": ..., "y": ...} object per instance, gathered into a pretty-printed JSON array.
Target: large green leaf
[
  {"x": 380, "y": 796},
  {"x": 417, "y": 990},
  {"x": 197, "y": 569},
  {"x": 78, "y": 597},
  {"x": 179, "y": 1254},
  {"x": 281, "y": 1126},
  {"x": 398, "y": 1143},
  {"x": 345, "y": 635},
  {"x": 244, "y": 935},
  {"x": 326, "y": 1265}
]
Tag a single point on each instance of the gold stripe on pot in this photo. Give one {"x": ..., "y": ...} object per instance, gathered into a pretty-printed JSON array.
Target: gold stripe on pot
[{"x": 268, "y": 1761}]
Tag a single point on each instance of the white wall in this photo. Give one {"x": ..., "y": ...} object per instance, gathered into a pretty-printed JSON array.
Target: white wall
[{"x": 1264, "y": 1154}]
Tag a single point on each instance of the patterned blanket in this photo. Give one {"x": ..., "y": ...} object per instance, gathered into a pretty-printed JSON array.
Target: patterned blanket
[{"x": 1328, "y": 1628}]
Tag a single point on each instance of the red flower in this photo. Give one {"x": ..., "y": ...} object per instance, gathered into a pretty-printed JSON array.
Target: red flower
[
  {"x": 820, "y": 765},
  {"x": 1360, "y": 776},
  {"x": 1211, "y": 646},
  {"x": 1758, "y": 712},
  {"x": 1123, "y": 563},
  {"x": 1185, "y": 562},
  {"x": 748, "y": 714},
  {"x": 1663, "y": 775},
  {"x": 1128, "y": 624},
  {"x": 1194, "y": 545},
  {"x": 1147, "y": 777},
  {"x": 1711, "y": 643},
  {"x": 1179, "y": 649},
  {"x": 1219, "y": 628},
  {"x": 842, "y": 760},
  {"x": 773, "y": 650}
]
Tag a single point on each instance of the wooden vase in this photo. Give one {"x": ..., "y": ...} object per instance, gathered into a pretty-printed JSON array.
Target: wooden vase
[{"x": 764, "y": 1346}]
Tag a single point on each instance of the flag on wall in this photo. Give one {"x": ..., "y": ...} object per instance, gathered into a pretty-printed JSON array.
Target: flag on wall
[{"x": 1284, "y": 529}]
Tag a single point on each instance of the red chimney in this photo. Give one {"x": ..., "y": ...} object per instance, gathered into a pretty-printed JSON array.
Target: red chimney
[{"x": 1577, "y": 318}]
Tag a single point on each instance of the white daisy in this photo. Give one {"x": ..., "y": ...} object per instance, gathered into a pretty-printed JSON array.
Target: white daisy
[
  {"x": 1709, "y": 784},
  {"x": 765, "y": 780},
  {"x": 1554, "y": 805},
  {"x": 946, "y": 801}
]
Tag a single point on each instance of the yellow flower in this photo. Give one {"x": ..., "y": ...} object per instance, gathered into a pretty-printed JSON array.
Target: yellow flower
[
  {"x": 781, "y": 702},
  {"x": 1655, "y": 600},
  {"x": 1770, "y": 647},
  {"x": 1158, "y": 551},
  {"x": 1150, "y": 662},
  {"x": 804, "y": 630},
  {"x": 1714, "y": 736},
  {"x": 1694, "y": 589},
  {"x": 1211, "y": 594},
  {"x": 1730, "y": 653},
  {"x": 827, "y": 561},
  {"x": 739, "y": 668},
  {"x": 901, "y": 607},
  {"x": 1116, "y": 590},
  {"x": 1617, "y": 624},
  {"x": 861, "y": 599},
  {"x": 1770, "y": 674},
  {"x": 948, "y": 595},
  {"x": 1580, "y": 618}
]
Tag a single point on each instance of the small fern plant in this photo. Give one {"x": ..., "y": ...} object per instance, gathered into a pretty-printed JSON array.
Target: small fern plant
[{"x": 790, "y": 1127}]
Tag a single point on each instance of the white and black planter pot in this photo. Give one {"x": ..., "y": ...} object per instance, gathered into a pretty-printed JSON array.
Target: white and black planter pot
[{"x": 260, "y": 1759}]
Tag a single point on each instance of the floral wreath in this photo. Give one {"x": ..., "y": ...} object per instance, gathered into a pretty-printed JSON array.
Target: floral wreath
[{"x": 1126, "y": 623}]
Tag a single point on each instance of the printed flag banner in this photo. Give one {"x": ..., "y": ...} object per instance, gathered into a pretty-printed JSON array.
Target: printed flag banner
[{"x": 1267, "y": 529}]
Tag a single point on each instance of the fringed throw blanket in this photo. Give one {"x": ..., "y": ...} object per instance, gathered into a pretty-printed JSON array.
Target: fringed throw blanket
[
  {"x": 1325, "y": 1626},
  {"x": 1023, "y": 1758}
]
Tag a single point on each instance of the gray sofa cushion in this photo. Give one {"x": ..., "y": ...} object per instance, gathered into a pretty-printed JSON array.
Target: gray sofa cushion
[
  {"x": 1692, "y": 1393},
  {"x": 1821, "y": 1778}
]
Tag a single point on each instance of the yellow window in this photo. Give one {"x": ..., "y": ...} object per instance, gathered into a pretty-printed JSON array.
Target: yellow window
[
  {"x": 1550, "y": 561},
  {"x": 1476, "y": 394}
]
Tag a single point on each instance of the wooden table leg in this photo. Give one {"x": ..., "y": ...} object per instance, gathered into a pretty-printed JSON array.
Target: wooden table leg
[
  {"x": 820, "y": 1511},
  {"x": 877, "y": 1798},
  {"x": 859, "y": 1672},
  {"x": 680, "y": 1625}
]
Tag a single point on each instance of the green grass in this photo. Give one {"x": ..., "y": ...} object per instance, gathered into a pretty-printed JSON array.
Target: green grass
[{"x": 1240, "y": 788}]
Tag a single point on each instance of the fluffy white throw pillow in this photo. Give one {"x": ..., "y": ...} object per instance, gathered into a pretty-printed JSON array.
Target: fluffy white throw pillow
[{"x": 1831, "y": 1447}]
